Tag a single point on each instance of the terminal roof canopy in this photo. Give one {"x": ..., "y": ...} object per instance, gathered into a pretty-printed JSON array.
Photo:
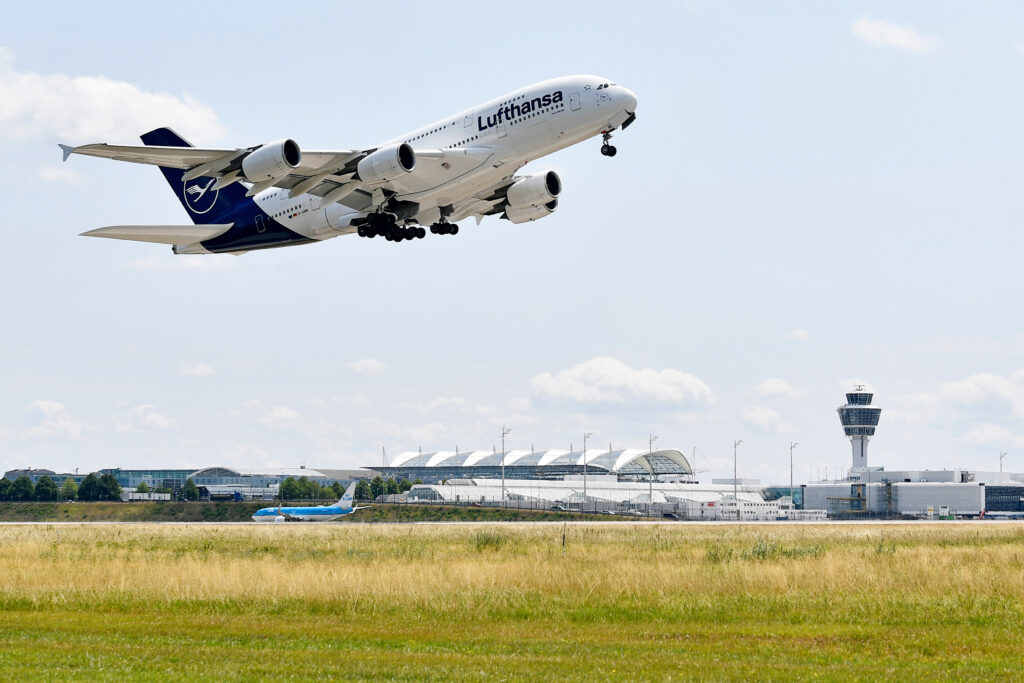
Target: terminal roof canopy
[{"x": 630, "y": 460}]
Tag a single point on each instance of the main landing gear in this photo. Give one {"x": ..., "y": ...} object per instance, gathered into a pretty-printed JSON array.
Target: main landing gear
[
  {"x": 606, "y": 149},
  {"x": 444, "y": 228},
  {"x": 385, "y": 225}
]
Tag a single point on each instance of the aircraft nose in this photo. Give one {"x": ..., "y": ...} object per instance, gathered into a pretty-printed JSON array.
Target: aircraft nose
[{"x": 628, "y": 99}]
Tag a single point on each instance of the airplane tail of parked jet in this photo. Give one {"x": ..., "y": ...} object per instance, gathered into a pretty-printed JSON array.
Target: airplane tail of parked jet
[
  {"x": 205, "y": 203},
  {"x": 346, "y": 498}
]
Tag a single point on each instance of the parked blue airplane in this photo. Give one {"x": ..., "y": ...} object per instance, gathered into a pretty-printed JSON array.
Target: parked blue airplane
[{"x": 319, "y": 513}]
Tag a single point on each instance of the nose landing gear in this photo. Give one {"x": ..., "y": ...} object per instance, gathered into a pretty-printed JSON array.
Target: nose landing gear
[{"x": 606, "y": 149}]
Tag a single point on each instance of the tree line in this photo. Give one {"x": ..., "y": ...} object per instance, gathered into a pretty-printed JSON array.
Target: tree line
[
  {"x": 92, "y": 488},
  {"x": 105, "y": 487},
  {"x": 304, "y": 489},
  {"x": 378, "y": 486}
]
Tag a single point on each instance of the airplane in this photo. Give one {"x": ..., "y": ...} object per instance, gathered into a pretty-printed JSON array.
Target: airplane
[
  {"x": 276, "y": 195},
  {"x": 320, "y": 513}
]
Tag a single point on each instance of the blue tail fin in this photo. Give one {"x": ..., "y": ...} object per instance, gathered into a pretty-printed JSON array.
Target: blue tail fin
[{"x": 203, "y": 203}]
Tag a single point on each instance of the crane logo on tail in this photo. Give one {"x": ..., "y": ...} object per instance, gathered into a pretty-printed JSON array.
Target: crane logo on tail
[{"x": 199, "y": 195}]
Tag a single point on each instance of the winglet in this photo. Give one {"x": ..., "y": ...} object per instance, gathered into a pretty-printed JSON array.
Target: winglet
[{"x": 67, "y": 149}]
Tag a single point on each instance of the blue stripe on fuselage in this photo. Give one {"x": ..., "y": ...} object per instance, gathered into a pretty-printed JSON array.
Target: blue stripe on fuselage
[
  {"x": 244, "y": 236},
  {"x": 304, "y": 511}
]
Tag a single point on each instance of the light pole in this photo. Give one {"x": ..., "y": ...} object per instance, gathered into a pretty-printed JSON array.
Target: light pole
[
  {"x": 504, "y": 432},
  {"x": 650, "y": 480},
  {"x": 586, "y": 436},
  {"x": 792, "y": 496},
  {"x": 735, "y": 478}
]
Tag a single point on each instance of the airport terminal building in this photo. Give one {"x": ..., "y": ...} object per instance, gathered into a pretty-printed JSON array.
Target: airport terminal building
[
  {"x": 868, "y": 491},
  {"x": 628, "y": 465}
]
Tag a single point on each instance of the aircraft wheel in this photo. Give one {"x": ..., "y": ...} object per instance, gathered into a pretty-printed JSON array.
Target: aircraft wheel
[
  {"x": 454, "y": 230},
  {"x": 421, "y": 233},
  {"x": 605, "y": 150},
  {"x": 612, "y": 151}
]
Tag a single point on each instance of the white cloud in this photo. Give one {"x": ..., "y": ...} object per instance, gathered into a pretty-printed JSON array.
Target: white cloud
[
  {"x": 280, "y": 417},
  {"x": 765, "y": 420},
  {"x": 197, "y": 369},
  {"x": 190, "y": 262},
  {"x": 887, "y": 34},
  {"x": 145, "y": 415},
  {"x": 778, "y": 388},
  {"x": 798, "y": 335},
  {"x": 989, "y": 434},
  {"x": 54, "y": 420},
  {"x": 605, "y": 380},
  {"x": 990, "y": 393},
  {"x": 59, "y": 174},
  {"x": 81, "y": 109},
  {"x": 368, "y": 367}
]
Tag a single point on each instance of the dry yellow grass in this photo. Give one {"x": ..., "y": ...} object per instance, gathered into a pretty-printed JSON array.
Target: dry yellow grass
[
  {"x": 624, "y": 591},
  {"x": 406, "y": 563}
]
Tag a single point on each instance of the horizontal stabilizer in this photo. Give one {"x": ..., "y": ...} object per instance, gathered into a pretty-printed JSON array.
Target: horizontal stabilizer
[{"x": 161, "y": 234}]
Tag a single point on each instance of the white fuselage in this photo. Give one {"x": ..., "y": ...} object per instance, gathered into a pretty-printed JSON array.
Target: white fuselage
[{"x": 470, "y": 151}]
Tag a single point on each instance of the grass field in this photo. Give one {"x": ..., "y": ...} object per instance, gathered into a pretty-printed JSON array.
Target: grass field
[{"x": 654, "y": 602}]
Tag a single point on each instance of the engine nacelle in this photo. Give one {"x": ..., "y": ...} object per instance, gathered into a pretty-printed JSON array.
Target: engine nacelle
[
  {"x": 273, "y": 160},
  {"x": 534, "y": 191},
  {"x": 530, "y": 213},
  {"x": 386, "y": 164}
]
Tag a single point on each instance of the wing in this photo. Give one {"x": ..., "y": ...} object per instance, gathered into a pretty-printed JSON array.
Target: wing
[
  {"x": 331, "y": 175},
  {"x": 315, "y": 168},
  {"x": 161, "y": 234},
  {"x": 172, "y": 157}
]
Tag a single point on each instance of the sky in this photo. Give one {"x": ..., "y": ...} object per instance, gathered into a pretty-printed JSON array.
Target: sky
[{"x": 813, "y": 195}]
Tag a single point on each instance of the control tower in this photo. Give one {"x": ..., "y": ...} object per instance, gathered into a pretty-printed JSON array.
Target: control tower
[{"x": 859, "y": 420}]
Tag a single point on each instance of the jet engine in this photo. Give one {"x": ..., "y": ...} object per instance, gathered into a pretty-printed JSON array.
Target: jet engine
[
  {"x": 534, "y": 191},
  {"x": 530, "y": 213},
  {"x": 273, "y": 160},
  {"x": 386, "y": 164}
]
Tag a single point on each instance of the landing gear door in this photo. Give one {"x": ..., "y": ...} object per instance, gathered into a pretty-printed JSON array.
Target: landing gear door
[{"x": 574, "y": 101}]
